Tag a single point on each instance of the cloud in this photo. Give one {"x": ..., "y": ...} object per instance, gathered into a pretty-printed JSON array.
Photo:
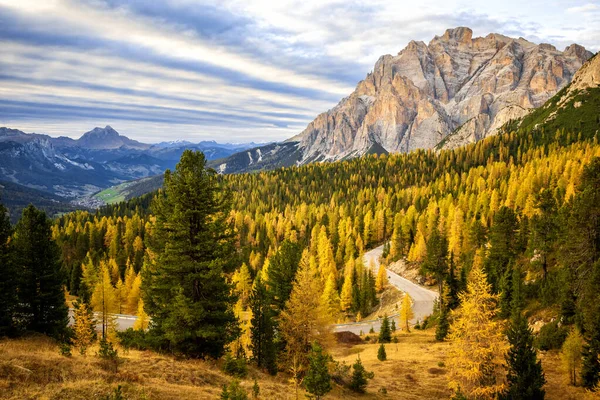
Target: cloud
[
  {"x": 583, "y": 9},
  {"x": 226, "y": 68}
]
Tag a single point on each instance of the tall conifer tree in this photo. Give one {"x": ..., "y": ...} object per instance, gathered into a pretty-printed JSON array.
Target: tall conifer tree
[
  {"x": 37, "y": 262},
  {"x": 185, "y": 290}
]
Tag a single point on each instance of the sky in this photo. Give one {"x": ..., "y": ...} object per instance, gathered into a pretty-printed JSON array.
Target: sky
[{"x": 228, "y": 70}]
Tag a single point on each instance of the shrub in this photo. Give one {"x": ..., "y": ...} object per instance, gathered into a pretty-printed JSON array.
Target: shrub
[
  {"x": 64, "y": 348},
  {"x": 255, "y": 390},
  {"x": 381, "y": 355},
  {"x": 109, "y": 355},
  {"x": 340, "y": 372},
  {"x": 551, "y": 336},
  {"x": 116, "y": 395},
  {"x": 233, "y": 392},
  {"x": 235, "y": 366},
  {"x": 141, "y": 340},
  {"x": 360, "y": 375}
]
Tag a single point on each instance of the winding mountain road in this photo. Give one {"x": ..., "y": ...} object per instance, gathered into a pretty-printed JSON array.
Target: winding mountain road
[{"x": 423, "y": 299}]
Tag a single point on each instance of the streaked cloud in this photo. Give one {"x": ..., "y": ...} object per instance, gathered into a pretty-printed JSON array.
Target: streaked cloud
[{"x": 226, "y": 70}]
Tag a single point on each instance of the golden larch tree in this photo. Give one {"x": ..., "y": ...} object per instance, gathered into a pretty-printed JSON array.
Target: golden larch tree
[
  {"x": 478, "y": 343},
  {"x": 406, "y": 312},
  {"x": 142, "y": 321},
  {"x": 83, "y": 328},
  {"x": 570, "y": 354},
  {"x": 330, "y": 299},
  {"x": 104, "y": 299},
  {"x": 382, "y": 279},
  {"x": 304, "y": 319}
]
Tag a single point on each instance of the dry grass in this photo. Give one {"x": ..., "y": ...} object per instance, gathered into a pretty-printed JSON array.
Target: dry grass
[
  {"x": 412, "y": 369},
  {"x": 32, "y": 368}
]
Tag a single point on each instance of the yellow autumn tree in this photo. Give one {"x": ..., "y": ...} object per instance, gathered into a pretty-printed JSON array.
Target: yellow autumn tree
[
  {"x": 134, "y": 295},
  {"x": 346, "y": 297},
  {"x": 330, "y": 299},
  {"x": 382, "y": 279},
  {"x": 478, "y": 344},
  {"x": 406, "y": 312},
  {"x": 104, "y": 300},
  {"x": 142, "y": 321},
  {"x": 304, "y": 319},
  {"x": 83, "y": 328},
  {"x": 243, "y": 283},
  {"x": 570, "y": 354}
]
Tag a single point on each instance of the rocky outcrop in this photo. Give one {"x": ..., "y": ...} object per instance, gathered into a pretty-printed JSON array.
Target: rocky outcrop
[{"x": 455, "y": 90}]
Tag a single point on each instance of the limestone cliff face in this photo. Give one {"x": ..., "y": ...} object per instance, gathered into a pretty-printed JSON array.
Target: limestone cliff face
[{"x": 455, "y": 90}]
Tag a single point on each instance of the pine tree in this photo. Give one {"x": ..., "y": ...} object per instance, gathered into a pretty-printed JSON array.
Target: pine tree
[
  {"x": 590, "y": 368},
  {"x": 381, "y": 355},
  {"x": 83, "y": 328},
  {"x": 436, "y": 260},
  {"x": 393, "y": 326},
  {"x": 185, "y": 290},
  {"x": 478, "y": 346},
  {"x": 281, "y": 273},
  {"x": 441, "y": 331},
  {"x": 8, "y": 281},
  {"x": 262, "y": 333},
  {"x": 317, "y": 380},
  {"x": 360, "y": 376},
  {"x": 503, "y": 246},
  {"x": 37, "y": 262},
  {"x": 525, "y": 376},
  {"x": 385, "y": 333},
  {"x": 406, "y": 312},
  {"x": 453, "y": 285}
]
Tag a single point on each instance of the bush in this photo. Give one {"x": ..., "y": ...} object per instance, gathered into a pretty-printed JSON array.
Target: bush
[
  {"x": 233, "y": 392},
  {"x": 141, "y": 340},
  {"x": 381, "y": 355},
  {"x": 109, "y": 355},
  {"x": 235, "y": 366},
  {"x": 551, "y": 336},
  {"x": 64, "y": 348},
  {"x": 340, "y": 372},
  {"x": 116, "y": 395},
  {"x": 360, "y": 375}
]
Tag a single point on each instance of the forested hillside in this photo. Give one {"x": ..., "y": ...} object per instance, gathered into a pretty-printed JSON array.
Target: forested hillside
[{"x": 508, "y": 228}]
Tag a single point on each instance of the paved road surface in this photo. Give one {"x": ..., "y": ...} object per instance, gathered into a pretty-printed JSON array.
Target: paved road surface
[
  {"x": 423, "y": 299},
  {"x": 124, "y": 321}
]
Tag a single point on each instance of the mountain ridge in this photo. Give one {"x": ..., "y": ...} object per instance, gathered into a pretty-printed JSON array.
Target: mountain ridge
[{"x": 455, "y": 83}]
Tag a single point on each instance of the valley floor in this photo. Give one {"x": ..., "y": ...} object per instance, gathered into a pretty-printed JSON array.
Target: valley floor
[{"x": 33, "y": 369}]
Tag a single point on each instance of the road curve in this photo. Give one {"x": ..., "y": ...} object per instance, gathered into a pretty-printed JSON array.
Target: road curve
[{"x": 423, "y": 299}]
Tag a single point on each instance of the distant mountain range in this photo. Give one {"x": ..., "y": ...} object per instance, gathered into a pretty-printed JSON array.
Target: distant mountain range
[
  {"x": 575, "y": 108},
  {"x": 454, "y": 90},
  {"x": 74, "y": 169}
]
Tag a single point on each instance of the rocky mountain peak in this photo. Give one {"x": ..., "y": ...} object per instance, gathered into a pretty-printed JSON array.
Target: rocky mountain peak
[
  {"x": 107, "y": 138},
  {"x": 456, "y": 89},
  {"x": 460, "y": 35}
]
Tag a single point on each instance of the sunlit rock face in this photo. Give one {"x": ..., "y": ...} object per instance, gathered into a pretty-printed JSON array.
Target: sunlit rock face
[{"x": 455, "y": 90}]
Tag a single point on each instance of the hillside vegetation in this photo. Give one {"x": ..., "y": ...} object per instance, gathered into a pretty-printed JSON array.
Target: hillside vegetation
[{"x": 254, "y": 269}]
